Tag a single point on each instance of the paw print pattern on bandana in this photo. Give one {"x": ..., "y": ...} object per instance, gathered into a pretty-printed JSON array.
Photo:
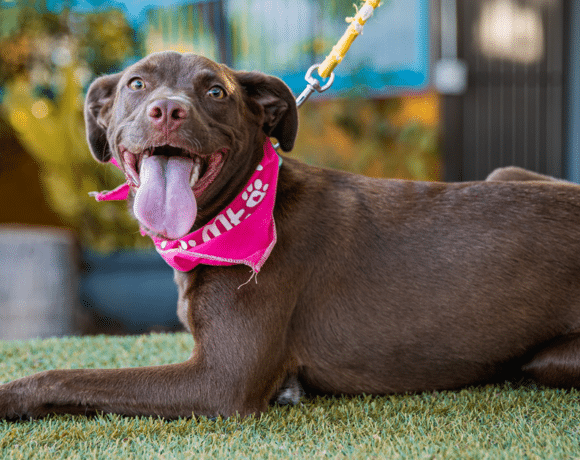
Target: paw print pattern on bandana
[{"x": 255, "y": 193}]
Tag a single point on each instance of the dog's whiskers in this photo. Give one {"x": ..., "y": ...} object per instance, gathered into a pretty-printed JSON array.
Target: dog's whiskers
[{"x": 197, "y": 143}]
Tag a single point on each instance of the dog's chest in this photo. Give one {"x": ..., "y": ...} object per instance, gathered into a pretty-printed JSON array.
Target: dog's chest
[{"x": 183, "y": 281}]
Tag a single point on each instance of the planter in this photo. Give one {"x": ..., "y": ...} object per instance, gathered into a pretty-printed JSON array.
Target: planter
[
  {"x": 133, "y": 289},
  {"x": 38, "y": 282}
]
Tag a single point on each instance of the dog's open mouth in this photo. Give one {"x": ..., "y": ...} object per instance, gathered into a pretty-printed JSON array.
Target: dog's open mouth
[{"x": 168, "y": 181}]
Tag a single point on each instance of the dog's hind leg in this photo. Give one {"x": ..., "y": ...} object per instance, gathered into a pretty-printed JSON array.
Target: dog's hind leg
[
  {"x": 558, "y": 364},
  {"x": 515, "y": 173}
]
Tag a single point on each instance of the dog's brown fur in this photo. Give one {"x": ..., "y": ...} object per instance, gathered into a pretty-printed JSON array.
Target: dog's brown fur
[
  {"x": 515, "y": 173},
  {"x": 374, "y": 286}
]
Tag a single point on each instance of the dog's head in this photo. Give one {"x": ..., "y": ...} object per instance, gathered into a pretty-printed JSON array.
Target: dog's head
[{"x": 181, "y": 121}]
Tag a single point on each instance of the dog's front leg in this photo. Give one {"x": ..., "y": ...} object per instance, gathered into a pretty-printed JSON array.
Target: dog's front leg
[
  {"x": 238, "y": 362},
  {"x": 195, "y": 387},
  {"x": 170, "y": 391}
]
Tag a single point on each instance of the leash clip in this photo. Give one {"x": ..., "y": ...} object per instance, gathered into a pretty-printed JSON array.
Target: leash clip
[{"x": 313, "y": 85}]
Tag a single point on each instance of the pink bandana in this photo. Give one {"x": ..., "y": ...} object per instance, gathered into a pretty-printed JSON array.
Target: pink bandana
[{"x": 243, "y": 233}]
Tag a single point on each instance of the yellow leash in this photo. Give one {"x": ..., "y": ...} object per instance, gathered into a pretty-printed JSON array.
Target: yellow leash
[
  {"x": 325, "y": 70},
  {"x": 354, "y": 30}
]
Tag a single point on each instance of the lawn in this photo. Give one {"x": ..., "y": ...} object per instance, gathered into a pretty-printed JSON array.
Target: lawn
[{"x": 501, "y": 421}]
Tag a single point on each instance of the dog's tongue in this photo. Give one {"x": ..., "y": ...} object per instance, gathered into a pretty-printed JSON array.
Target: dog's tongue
[{"x": 164, "y": 201}]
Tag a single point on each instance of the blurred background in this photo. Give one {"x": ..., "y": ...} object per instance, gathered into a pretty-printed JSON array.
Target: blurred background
[{"x": 433, "y": 90}]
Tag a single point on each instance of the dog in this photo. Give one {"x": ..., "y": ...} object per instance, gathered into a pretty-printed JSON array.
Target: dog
[{"x": 373, "y": 286}]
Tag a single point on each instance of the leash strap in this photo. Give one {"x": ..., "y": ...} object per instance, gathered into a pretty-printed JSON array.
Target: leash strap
[
  {"x": 325, "y": 70},
  {"x": 354, "y": 30}
]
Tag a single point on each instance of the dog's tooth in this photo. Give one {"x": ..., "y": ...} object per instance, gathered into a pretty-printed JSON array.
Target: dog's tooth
[
  {"x": 195, "y": 172},
  {"x": 134, "y": 176},
  {"x": 129, "y": 159},
  {"x": 130, "y": 164}
]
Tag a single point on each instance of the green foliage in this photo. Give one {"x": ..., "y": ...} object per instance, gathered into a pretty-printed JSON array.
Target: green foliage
[
  {"x": 369, "y": 136},
  {"x": 490, "y": 422},
  {"x": 44, "y": 67},
  {"x": 102, "y": 41},
  {"x": 53, "y": 132},
  {"x": 105, "y": 40}
]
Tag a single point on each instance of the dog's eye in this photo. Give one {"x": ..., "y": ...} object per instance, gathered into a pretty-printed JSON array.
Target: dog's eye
[
  {"x": 137, "y": 84},
  {"x": 216, "y": 92}
]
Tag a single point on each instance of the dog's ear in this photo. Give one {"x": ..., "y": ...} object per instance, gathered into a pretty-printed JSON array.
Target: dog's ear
[
  {"x": 98, "y": 103},
  {"x": 280, "y": 119}
]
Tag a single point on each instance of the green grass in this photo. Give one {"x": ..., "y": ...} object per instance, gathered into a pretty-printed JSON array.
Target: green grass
[{"x": 489, "y": 422}]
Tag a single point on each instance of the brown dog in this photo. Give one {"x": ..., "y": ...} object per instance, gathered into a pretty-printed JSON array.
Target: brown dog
[{"x": 374, "y": 286}]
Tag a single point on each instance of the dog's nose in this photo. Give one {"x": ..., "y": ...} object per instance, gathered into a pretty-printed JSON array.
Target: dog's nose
[{"x": 165, "y": 113}]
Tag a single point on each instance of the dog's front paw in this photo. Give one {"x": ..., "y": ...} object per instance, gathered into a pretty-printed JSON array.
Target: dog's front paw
[
  {"x": 17, "y": 400},
  {"x": 12, "y": 405}
]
